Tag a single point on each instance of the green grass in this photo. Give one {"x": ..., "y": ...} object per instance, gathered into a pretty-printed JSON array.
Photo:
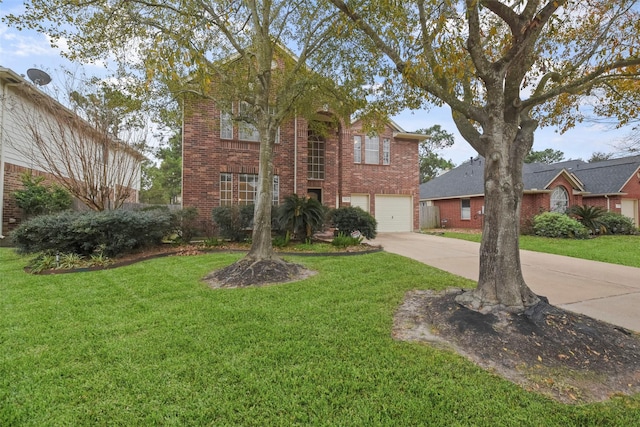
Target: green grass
[
  {"x": 623, "y": 250},
  {"x": 149, "y": 344}
]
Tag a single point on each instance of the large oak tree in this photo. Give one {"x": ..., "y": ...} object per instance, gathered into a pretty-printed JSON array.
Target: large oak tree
[{"x": 504, "y": 68}]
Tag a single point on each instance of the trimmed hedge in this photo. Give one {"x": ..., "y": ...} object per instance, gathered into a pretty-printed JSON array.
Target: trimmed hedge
[
  {"x": 554, "y": 224},
  {"x": 350, "y": 219},
  {"x": 111, "y": 233}
]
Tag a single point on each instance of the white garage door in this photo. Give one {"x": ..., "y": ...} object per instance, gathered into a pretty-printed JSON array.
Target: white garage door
[
  {"x": 394, "y": 213},
  {"x": 630, "y": 210},
  {"x": 361, "y": 201}
]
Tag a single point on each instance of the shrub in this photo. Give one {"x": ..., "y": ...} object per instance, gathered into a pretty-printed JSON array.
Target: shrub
[
  {"x": 37, "y": 198},
  {"x": 618, "y": 224},
  {"x": 301, "y": 216},
  {"x": 110, "y": 233},
  {"x": 233, "y": 221},
  {"x": 343, "y": 241},
  {"x": 589, "y": 216},
  {"x": 554, "y": 224},
  {"x": 350, "y": 219},
  {"x": 184, "y": 224}
]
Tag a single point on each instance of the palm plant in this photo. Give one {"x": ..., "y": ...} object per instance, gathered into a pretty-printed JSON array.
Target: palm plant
[
  {"x": 590, "y": 217},
  {"x": 301, "y": 216}
]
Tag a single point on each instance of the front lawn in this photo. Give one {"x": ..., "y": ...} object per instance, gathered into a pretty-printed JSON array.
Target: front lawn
[
  {"x": 623, "y": 250},
  {"x": 149, "y": 344}
]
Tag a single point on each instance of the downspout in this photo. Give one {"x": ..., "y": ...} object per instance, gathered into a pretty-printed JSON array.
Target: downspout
[
  {"x": 295, "y": 152},
  {"x": 2, "y": 114}
]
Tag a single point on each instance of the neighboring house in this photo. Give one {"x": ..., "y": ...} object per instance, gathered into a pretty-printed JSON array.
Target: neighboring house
[
  {"x": 611, "y": 184},
  {"x": 341, "y": 167},
  {"x": 19, "y": 154}
]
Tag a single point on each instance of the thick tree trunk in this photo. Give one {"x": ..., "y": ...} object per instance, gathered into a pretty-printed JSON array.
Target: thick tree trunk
[
  {"x": 501, "y": 285},
  {"x": 261, "y": 246}
]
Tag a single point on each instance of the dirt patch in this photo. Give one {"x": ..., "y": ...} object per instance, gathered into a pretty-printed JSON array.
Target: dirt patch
[
  {"x": 570, "y": 357},
  {"x": 248, "y": 272}
]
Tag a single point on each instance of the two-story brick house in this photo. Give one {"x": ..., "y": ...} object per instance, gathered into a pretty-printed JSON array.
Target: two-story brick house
[{"x": 340, "y": 167}]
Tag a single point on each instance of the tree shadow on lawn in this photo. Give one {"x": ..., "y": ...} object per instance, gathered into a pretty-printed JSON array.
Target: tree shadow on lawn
[{"x": 570, "y": 357}]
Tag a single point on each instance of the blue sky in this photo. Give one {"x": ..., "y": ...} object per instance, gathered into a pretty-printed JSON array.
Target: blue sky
[{"x": 21, "y": 50}]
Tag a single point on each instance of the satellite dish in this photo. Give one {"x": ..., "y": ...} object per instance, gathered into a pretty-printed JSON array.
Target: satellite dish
[{"x": 38, "y": 77}]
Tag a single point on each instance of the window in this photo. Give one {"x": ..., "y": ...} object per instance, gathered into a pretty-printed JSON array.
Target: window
[
  {"x": 357, "y": 149},
  {"x": 386, "y": 151},
  {"x": 226, "y": 189},
  {"x": 226, "y": 126},
  {"x": 247, "y": 131},
  {"x": 315, "y": 156},
  {"x": 372, "y": 150},
  {"x": 247, "y": 188},
  {"x": 559, "y": 200},
  {"x": 465, "y": 209},
  {"x": 276, "y": 190}
]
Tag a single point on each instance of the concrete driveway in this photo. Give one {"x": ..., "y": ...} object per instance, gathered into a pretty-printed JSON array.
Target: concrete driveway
[{"x": 604, "y": 291}]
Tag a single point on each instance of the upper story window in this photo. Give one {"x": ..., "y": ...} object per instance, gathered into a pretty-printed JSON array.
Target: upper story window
[
  {"x": 246, "y": 130},
  {"x": 372, "y": 150},
  {"x": 315, "y": 156},
  {"x": 226, "y": 125},
  {"x": 357, "y": 149},
  {"x": 559, "y": 200},
  {"x": 386, "y": 151}
]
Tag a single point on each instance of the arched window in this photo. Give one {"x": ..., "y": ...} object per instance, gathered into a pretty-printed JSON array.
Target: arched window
[{"x": 559, "y": 200}]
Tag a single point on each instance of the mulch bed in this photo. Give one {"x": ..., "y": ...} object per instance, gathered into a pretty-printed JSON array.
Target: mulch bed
[{"x": 568, "y": 356}]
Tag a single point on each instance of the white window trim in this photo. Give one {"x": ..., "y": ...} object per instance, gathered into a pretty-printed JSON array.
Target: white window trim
[
  {"x": 559, "y": 200},
  {"x": 372, "y": 150},
  {"x": 226, "y": 125},
  {"x": 227, "y": 202},
  {"x": 386, "y": 151},
  {"x": 465, "y": 212},
  {"x": 357, "y": 149}
]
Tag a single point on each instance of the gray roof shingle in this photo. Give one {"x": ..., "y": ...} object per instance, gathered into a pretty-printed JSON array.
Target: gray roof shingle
[{"x": 604, "y": 177}]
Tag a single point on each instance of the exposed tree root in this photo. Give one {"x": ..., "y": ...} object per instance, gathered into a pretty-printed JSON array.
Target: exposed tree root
[
  {"x": 251, "y": 272},
  {"x": 568, "y": 356}
]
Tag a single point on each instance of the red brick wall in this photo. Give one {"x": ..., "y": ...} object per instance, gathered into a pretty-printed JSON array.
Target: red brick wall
[
  {"x": 400, "y": 176},
  {"x": 205, "y": 155}
]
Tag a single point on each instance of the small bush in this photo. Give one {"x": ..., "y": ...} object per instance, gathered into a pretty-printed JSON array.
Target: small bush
[
  {"x": 343, "y": 241},
  {"x": 281, "y": 241},
  {"x": 350, "y": 219},
  {"x": 110, "y": 233},
  {"x": 618, "y": 224},
  {"x": 554, "y": 224},
  {"x": 184, "y": 224},
  {"x": 39, "y": 199},
  {"x": 234, "y": 221}
]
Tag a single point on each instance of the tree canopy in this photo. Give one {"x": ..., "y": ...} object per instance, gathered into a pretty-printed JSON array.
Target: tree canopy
[
  {"x": 431, "y": 163},
  {"x": 503, "y": 68},
  {"x": 548, "y": 156}
]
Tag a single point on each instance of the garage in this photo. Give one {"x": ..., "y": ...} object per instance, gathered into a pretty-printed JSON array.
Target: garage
[
  {"x": 361, "y": 201},
  {"x": 394, "y": 213}
]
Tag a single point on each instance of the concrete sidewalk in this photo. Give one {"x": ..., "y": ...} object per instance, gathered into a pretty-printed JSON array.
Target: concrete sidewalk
[{"x": 604, "y": 291}]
